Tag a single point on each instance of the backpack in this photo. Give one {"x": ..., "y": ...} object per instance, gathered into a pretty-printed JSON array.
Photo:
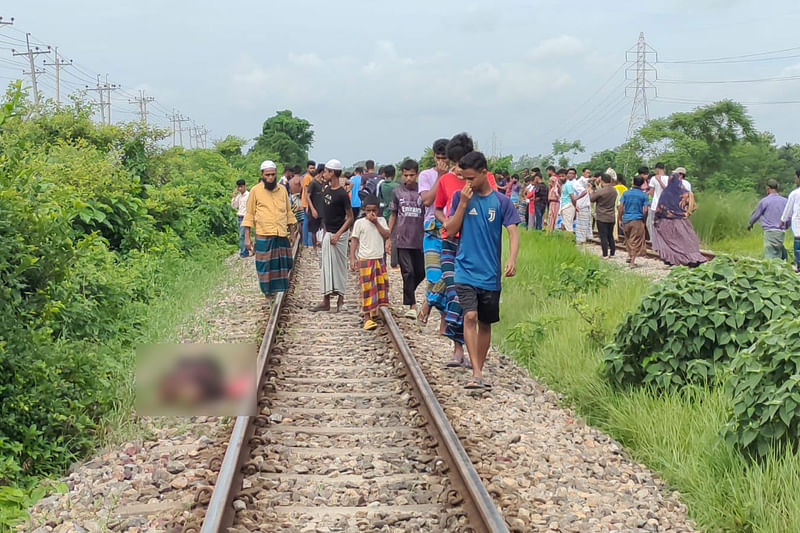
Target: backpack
[{"x": 372, "y": 187}]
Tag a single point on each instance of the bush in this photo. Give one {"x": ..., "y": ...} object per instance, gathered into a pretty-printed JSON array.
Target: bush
[
  {"x": 695, "y": 320},
  {"x": 765, "y": 387}
]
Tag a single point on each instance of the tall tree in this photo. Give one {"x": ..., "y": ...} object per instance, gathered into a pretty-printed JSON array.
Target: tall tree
[
  {"x": 702, "y": 139},
  {"x": 564, "y": 151},
  {"x": 286, "y": 135}
]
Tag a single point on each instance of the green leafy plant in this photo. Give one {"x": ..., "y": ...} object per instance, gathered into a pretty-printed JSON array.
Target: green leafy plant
[
  {"x": 696, "y": 320},
  {"x": 765, "y": 387}
]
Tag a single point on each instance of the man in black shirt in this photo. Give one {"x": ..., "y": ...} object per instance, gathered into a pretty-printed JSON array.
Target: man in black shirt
[{"x": 337, "y": 217}]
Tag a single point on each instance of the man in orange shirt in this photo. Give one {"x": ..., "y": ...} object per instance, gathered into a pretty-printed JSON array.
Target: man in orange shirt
[{"x": 310, "y": 168}]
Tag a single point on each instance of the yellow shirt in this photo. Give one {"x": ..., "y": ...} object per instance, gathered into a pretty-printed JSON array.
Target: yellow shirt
[
  {"x": 269, "y": 211},
  {"x": 620, "y": 189},
  {"x": 306, "y": 180}
]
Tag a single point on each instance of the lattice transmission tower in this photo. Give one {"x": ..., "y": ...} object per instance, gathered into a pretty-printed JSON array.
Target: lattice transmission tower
[{"x": 641, "y": 68}]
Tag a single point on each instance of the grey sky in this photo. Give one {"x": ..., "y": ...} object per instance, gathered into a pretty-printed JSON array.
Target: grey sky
[{"x": 382, "y": 80}]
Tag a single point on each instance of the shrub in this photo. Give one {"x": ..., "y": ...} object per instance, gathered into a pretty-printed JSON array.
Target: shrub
[
  {"x": 765, "y": 387},
  {"x": 695, "y": 320}
]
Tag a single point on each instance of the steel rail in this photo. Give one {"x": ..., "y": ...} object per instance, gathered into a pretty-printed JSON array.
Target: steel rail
[
  {"x": 484, "y": 516},
  {"x": 649, "y": 251},
  {"x": 219, "y": 514}
]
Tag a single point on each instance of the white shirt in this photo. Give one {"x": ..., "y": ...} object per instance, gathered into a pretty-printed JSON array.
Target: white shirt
[
  {"x": 239, "y": 203},
  {"x": 686, "y": 185},
  {"x": 581, "y": 184},
  {"x": 370, "y": 241},
  {"x": 657, "y": 189},
  {"x": 792, "y": 211}
]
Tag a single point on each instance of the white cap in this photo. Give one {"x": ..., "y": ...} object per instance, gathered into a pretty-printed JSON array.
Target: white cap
[
  {"x": 268, "y": 164},
  {"x": 680, "y": 170},
  {"x": 611, "y": 172},
  {"x": 334, "y": 164}
]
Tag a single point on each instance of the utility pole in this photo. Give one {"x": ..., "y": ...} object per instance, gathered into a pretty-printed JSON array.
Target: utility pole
[
  {"x": 104, "y": 88},
  {"x": 6, "y": 22},
  {"x": 58, "y": 63},
  {"x": 177, "y": 126},
  {"x": 640, "y": 84},
  {"x": 31, "y": 54},
  {"x": 142, "y": 100}
]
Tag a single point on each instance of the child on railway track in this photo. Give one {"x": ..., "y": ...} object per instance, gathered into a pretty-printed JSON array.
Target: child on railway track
[
  {"x": 367, "y": 245},
  {"x": 407, "y": 229},
  {"x": 479, "y": 214}
]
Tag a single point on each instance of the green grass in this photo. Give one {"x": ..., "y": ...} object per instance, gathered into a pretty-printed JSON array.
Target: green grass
[
  {"x": 721, "y": 223},
  {"x": 675, "y": 434}
]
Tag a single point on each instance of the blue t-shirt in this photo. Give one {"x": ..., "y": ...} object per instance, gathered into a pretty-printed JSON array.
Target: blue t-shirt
[
  {"x": 567, "y": 188},
  {"x": 633, "y": 201},
  {"x": 355, "y": 182},
  {"x": 478, "y": 256}
]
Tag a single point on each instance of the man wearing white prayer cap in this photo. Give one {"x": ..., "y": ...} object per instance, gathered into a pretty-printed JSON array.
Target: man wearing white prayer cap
[
  {"x": 337, "y": 217},
  {"x": 269, "y": 212}
]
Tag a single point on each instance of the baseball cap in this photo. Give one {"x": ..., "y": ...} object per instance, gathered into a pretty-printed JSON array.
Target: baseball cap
[
  {"x": 333, "y": 164},
  {"x": 268, "y": 165},
  {"x": 680, "y": 170}
]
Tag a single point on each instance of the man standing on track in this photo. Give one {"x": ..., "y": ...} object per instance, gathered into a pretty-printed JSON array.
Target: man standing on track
[
  {"x": 355, "y": 190},
  {"x": 656, "y": 186},
  {"x": 432, "y": 242},
  {"x": 306, "y": 234},
  {"x": 583, "y": 207},
  {"x": 239, "y": 202},
  {"x": 269, "y": 212},
  {"x": 567, "y": 203},
  {"x": 406, "y": 223},
  {"x": 337, "y": 217},
  {"x": 478, "y": 214},
  {"x": 769, "y": 210}
]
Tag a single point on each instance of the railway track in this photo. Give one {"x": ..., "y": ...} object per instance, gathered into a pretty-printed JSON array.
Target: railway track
[
  {"x": 649, "y": 252},
  {"x": 349, "y": 435}
]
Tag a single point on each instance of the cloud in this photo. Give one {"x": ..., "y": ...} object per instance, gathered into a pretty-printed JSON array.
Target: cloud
[{"x": 557, "y": 47}]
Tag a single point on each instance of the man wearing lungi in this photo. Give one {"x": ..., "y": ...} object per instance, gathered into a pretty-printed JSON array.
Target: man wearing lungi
[
  {"x": 337, "y": 217},
  {"x": 269, "y": 212}
]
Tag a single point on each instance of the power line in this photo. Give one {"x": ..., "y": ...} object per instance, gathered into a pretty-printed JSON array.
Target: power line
[
  {"x": 735, "y": 59},
  {"x": 712, "y": 82},
  {"x": 142, "y": 100}
]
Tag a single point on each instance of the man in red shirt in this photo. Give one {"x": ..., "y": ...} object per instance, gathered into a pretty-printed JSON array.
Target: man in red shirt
[{"x": 449, "y": 183}]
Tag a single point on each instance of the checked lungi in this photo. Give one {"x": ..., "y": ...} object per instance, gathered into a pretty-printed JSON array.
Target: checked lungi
[
  {"x": 274, "y": 262},
  {"x": 454, "y": 315},
  {"x": 583, "y": 224},
  {"x": 374, "y": 284},
  {"x": 432, "y": 247}
]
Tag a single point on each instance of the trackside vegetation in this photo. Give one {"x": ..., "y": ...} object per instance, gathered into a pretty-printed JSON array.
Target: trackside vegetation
[{"x": 727, "y": 441}]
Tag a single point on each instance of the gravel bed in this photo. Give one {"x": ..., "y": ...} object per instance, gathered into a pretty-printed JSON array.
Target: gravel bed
[
  {"x": 648, "y": 267},
  {"x": 318, "y": 465},
  {"x": 546, "y": 469}
]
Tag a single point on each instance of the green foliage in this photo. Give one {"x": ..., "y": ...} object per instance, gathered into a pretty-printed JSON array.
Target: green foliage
[
  {"x": 722, "y": 215},
  {"x": 695, "y": 321},
  {"x": 91, "y": 220},
  {"x": 500, "y": 163},
  {"x": 287, "y": 136},
  {"x": 765, "y": 387},
  {"x": 564, "y": 151},
  {"x": 427, "y": 160}
]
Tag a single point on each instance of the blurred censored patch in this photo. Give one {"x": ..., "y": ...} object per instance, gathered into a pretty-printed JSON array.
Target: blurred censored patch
[{"x": 196, "y": 379}]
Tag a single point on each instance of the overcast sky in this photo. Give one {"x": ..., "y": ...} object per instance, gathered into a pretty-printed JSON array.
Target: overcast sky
[{"x": 382, "y": 80}]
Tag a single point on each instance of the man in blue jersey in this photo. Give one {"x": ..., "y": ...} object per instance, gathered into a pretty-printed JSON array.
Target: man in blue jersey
[
  {"x": 355, "y": 191},
  {"x": 479, "y": 214}
]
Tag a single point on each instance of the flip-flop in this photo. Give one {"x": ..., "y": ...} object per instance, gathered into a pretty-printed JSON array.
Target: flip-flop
[
  {"x": 370, "y": 324},
  {"x": 486, "y": 384},
  {"x": 466, "y": 363},
  {"x": 454, "y": 363},
  {"x": 474, "y": 384}
]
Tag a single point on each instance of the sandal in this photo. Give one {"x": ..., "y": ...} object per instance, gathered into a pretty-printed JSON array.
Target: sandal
[
  {"x": 320, "y": 307},
  {"x": 466, "y": 363},
  {"x": 474, "y": 384},
  {"x": 422, "y": 316},
  {"x": 370, "y": 324},
  {"x": 454, "y": 363}
]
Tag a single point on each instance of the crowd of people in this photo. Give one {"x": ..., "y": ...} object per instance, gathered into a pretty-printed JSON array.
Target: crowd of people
[{"x": 443, "y": 226}]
